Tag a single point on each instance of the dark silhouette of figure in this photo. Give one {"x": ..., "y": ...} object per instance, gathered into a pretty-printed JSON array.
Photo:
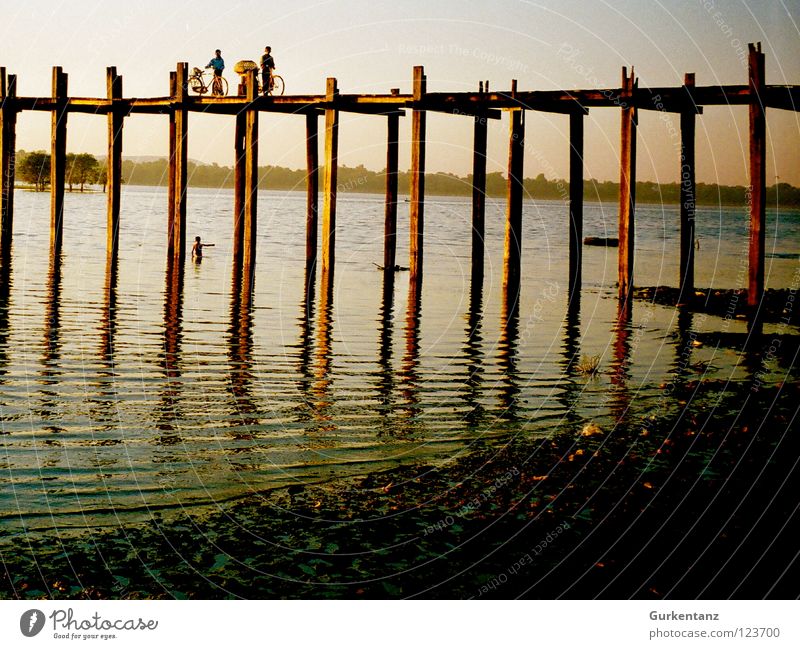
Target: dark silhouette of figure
[
  {"x": 197, "y": 249},
  {"x": 267, "y": 66}
]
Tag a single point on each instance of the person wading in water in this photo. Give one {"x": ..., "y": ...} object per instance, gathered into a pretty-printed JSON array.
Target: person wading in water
[{"x": 197, "y": 249}]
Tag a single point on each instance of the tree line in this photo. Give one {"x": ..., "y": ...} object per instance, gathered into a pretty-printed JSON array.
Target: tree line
[
  {"x": 83, "y": 169},
  {"x": 363, "y": 180}
]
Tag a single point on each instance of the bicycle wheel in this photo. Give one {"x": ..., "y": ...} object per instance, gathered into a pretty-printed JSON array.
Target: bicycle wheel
[
  {"x": 277, "y": 85},
  {"x": 219, "y": 87},
  {"x": 196, "y": 84}
]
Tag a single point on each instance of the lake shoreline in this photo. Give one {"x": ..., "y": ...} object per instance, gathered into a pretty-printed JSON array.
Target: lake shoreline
[
  {"x": 585, "y": 513},
  {"x": 497, "y": 196}
]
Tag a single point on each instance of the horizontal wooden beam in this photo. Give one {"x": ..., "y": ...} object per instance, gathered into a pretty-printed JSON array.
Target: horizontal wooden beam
[{"x": 671, "y": 99}]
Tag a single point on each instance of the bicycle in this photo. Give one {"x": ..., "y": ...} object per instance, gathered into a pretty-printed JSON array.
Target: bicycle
[
  {"x": 202, "y": 82},
  {"x": 277, "y": 86}
]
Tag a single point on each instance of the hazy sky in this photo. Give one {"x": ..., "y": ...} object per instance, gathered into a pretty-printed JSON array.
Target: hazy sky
[{"x": 372, "y": 45}]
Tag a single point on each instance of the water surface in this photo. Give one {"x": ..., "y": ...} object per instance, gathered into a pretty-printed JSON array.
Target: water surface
[{"x": 134, "y": 387}]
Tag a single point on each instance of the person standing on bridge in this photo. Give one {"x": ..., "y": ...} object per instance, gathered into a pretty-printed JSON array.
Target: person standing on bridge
[
  {"x": 218, "y": 64},
  {"x": 267, "y": 66}
]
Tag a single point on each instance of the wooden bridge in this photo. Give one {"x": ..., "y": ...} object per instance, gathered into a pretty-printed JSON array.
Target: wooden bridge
[{"x": 686, "y": 100}]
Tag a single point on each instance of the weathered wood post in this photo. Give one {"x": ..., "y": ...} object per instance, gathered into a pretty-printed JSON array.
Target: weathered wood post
[
  {"x": 479, "y": 140},
  {"x": 516, "y": 151},
  {"x": 688, "y": 191},
  {"x": 312, "y": 188},
  {"x": 575, "y": 201},
  {"x": 330, "y": 177},
  {"x": 250, "y": 220},
  {"x": 390, "y": 211},
  {"x": 58, "y": 158},
  {"x": 417, "y": 197},
  {"x": 758, "y": 177},
  {"x": 627, "y": 185},
  {"x": 238, "y": 185},
  {"x": 8, "y": 143},
  {"x": 170, "y": 175},
  {"x": 178, "y": 162},
  {"x": 114, "y": 162}
]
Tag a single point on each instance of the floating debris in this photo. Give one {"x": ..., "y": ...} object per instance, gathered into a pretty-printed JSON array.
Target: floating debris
[
  {"x": 591, "y": 429},
  {"x": 589, "y": 365},
  {"x": 609, "y": 242}
]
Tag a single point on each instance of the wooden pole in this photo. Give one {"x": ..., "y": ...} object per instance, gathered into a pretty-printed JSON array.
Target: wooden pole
[
  {"x": 575, "y": 201},
  {"x": 516, "y": 150},
  {"x": 417, "y": 197},
  {"x": 479, "y": 141},
  {"x": 178, "y": 164},
  {"x": 330, "y": 177},
  {"x": 114, "y": 162},
  {"x": 8, "y": 137},
  {"x": 250, "y": 175},
  {"x": 688, "y": 193},
  {"x": 758, "y": 154},
  {"x": 238, "y": 188},
  {"x": 58, "y": 158},
  {"x": 312, "y": 188},
  {"x": 390, "y": 216},
  {"x": 171, "y": 172},
  {"x": 627, "y": 185}
]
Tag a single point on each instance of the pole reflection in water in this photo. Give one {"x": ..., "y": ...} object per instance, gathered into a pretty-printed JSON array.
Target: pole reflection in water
[
  {"x": 683, "y": 347},
  {"x": 240, "y": 353},
  {"x": 109, "y": 321},
  {"x": 51, "y": 372},
  {"x": 321, "y": 389},
  {"x": 755, "y": 324},
  {"x": 305, "y": 374},
  {"x": 106, "y": 410},
  {"x": 409, "y": 367},
  {"x": 620, "y": 366},
  {"x": 571, "y": 353},
  {"x": 507, "y": 347},
  {"x": 753, "y": 357},
  {"x": 385, "y": 334},
  {"x": 754, "y": 347},
  {"x": 473, "y": 349},
  {"x": 5, "y": 308},
  {"x": 168, "y": 410}
]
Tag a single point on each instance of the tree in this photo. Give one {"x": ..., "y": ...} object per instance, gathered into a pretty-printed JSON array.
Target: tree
[
  {"x": 101, "y": 177},
  {"x": 70, "y": 166},
  {"x": 81, "y": 169},
  {"x": 34, "y": 168}
]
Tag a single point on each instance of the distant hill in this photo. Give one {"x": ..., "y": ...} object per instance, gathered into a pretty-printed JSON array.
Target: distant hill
[
  {"x": 147, "y": 170},
  {"x": 138, "y": 159}
]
